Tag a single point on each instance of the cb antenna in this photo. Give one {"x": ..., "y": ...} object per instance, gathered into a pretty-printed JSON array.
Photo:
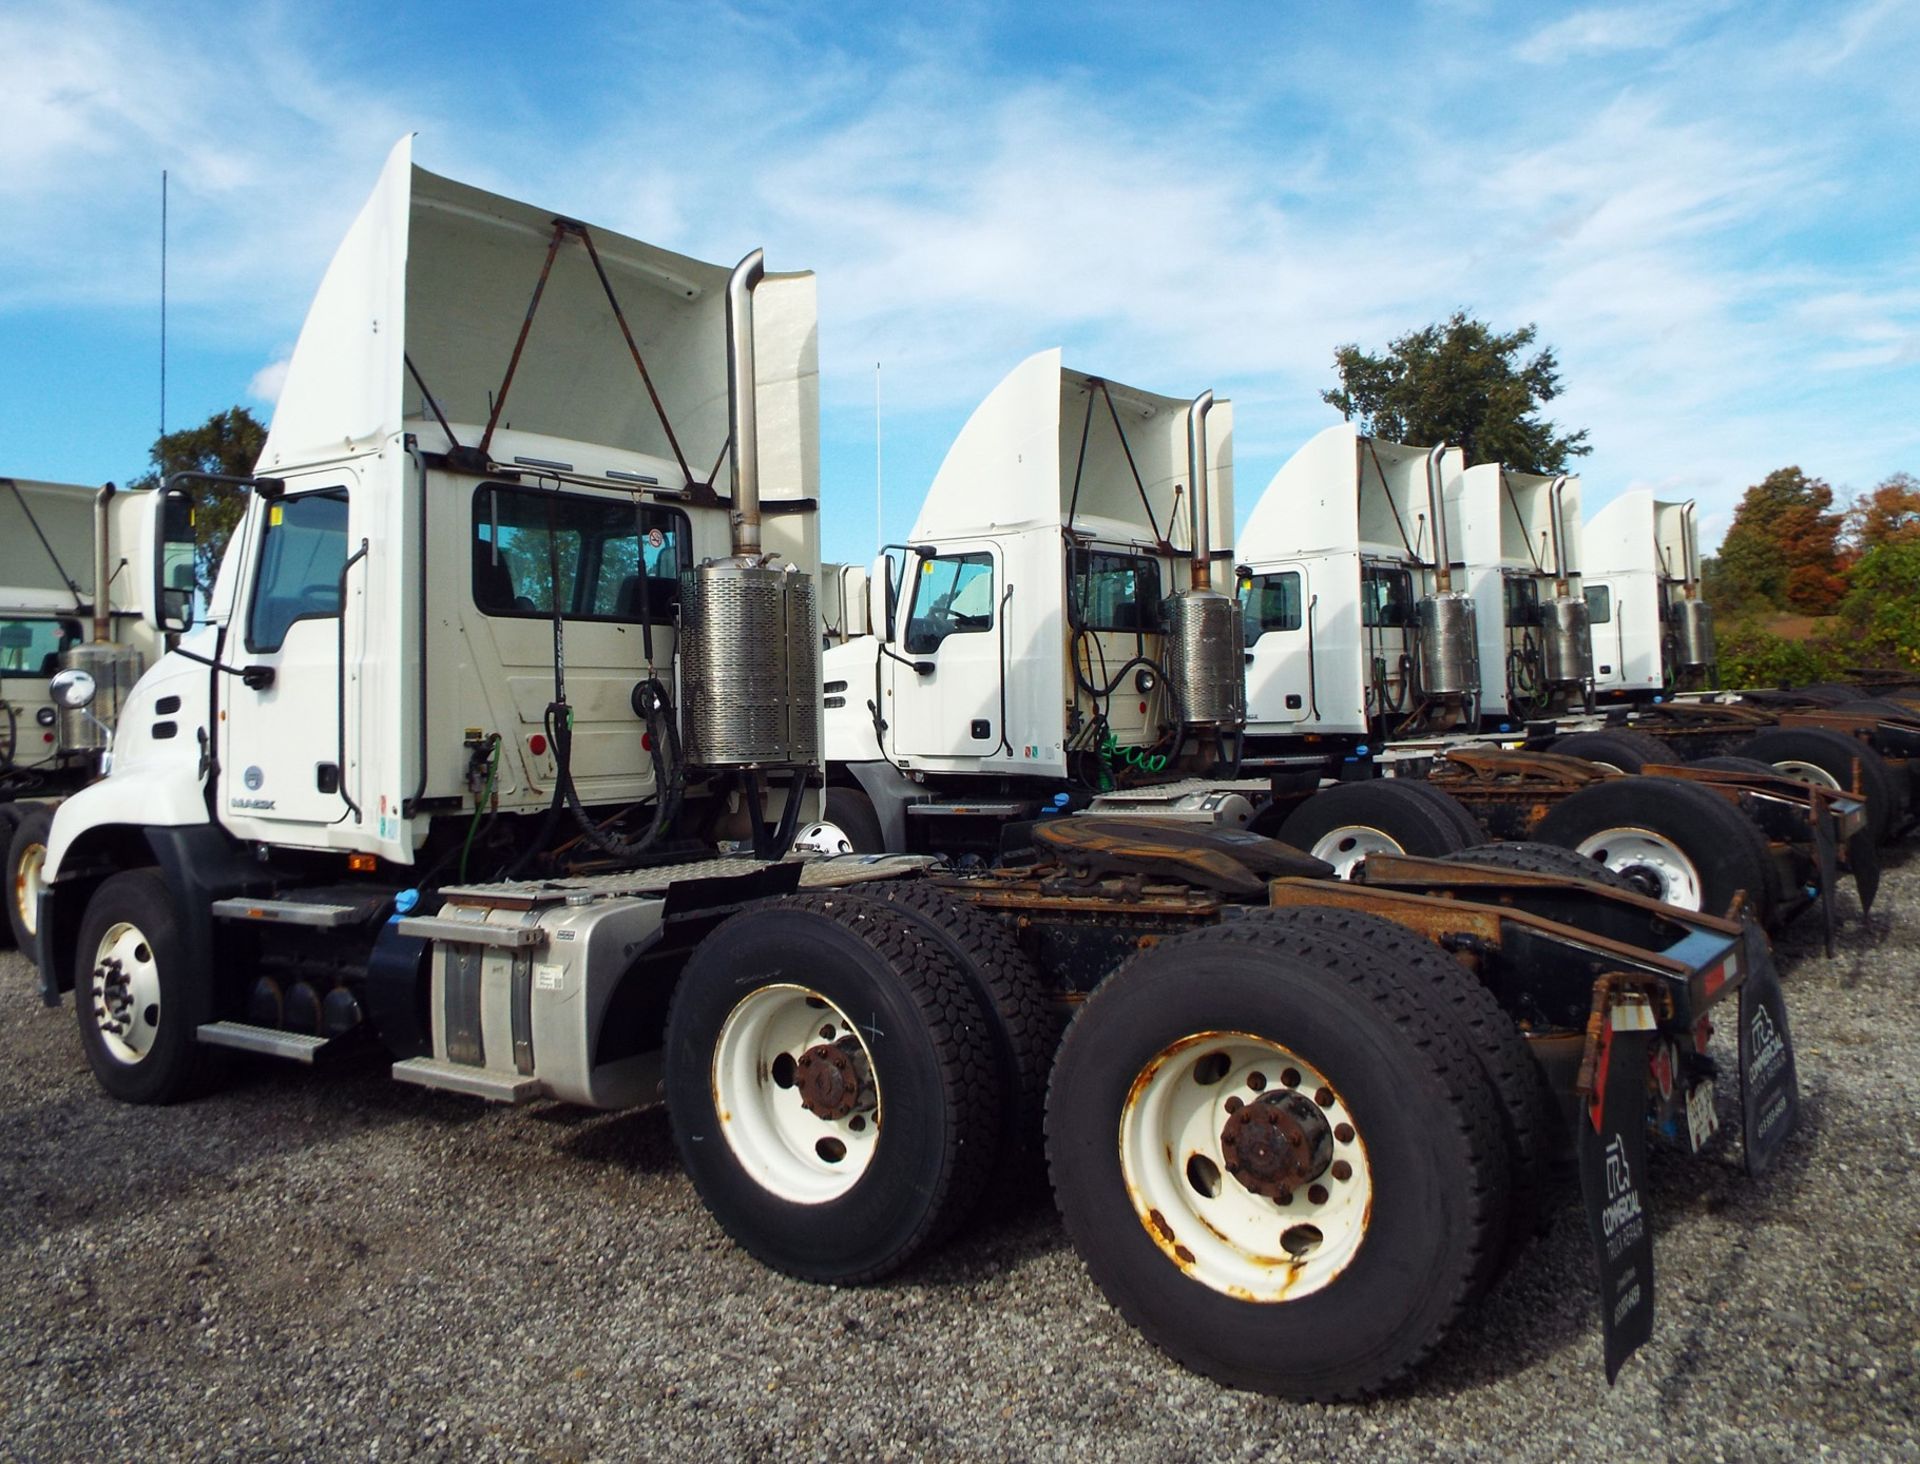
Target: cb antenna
[
  {"x": 879, "y": 518},
  {"x": 163, "y": 302}
]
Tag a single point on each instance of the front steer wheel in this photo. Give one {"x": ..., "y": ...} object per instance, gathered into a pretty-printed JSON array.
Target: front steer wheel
[
  {"x": 138, "y": 1005},
  {"x": 1290, "y": 1175},
  {"x": 832, "y": 1085}
]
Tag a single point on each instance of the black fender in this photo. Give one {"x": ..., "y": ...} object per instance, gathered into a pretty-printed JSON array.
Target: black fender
[{"x": 201, "y": 863}]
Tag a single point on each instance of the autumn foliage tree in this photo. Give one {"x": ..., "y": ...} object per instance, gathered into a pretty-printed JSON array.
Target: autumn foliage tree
[
  {"x": 1888, "y": 514},
  {"x": 1461, "y": 382},
  {"x": 1782, "y": 552}
]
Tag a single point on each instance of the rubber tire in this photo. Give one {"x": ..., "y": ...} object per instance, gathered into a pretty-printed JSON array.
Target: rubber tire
[
  {"x": 1617, "y": 747},
  {"x": 10, "y": 814},
  {"x": 1529, "y": 1118},
  {"x": 1833, "y": 752},
  {"x": 852, "y": 812},
  {"x": 1532, "y": 857},
  {"x": 176, "y": 1066},
  {"x": 1405, "y": 812},
  {"x": 1432, "y": 1136},
  {"x": 933, "y": 1058},
  {"x": 1728, "y": 853},
  {"x": 1025, "y": 1018},
  {"x": 1462, "y": 816},
  {"x": 33, "y": 825}
]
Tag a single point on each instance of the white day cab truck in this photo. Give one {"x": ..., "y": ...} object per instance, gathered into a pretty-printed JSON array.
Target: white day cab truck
[
  {"x": 58, "y": 543},
  {"x": 493, "y": 737}
]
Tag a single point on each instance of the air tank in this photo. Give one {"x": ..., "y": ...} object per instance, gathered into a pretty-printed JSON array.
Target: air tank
[
  {"x": 1566, "y": 631},
  {"x": 1696, "y": 633},
  {"x": 1206, "y": 657},
  {"x": 114, "y": 669},
  {"x": 1449, "y": 644},
  {"x": 749, "y": 665}
]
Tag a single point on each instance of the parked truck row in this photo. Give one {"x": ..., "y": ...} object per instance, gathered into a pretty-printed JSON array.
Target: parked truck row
[{"x": 497, "y": 737}]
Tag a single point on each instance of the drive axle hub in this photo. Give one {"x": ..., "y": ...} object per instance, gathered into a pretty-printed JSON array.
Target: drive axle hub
[
  {"x": 116, "y": 996},
  {"x": 1276, "y": 1144},
  {"x": 834, "y": 1079}
]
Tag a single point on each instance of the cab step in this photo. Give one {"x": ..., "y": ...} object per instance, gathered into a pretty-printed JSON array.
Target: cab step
[
  {"x": 455, "y": 1077},
  {"x": 269, "y": 1041},
  {"x": 285, "y": 912}
]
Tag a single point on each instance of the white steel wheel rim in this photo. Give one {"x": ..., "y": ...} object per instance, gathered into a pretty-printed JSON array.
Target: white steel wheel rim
[
  {"x": 1641, "y": 852},
  {"x": 824, "y": 838},
  {"x": 27, "y": 883},
  {"x": 785, "y": 1147},
  {"x": 1347, "y": 846},
  {"x": 1217, "y": 1229},
  {"x": 126, "y": 993},
  {"x": 1808, "y": 772}
]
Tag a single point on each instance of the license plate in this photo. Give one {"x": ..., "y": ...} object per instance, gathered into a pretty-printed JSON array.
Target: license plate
[{"x": 1703, "y": 1119}]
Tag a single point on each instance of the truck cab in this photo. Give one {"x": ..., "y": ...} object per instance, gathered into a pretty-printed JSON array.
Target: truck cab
[
  {"x": 1652, "y": 631},
  {"x": 1026, "y": 639},
  {"x": 487, "y": 612}
]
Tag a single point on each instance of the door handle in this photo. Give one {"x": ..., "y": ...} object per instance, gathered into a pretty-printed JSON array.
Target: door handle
[{"x": 258, "y": 678}]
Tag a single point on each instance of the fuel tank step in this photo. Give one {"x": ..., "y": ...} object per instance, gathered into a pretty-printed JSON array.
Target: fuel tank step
[
  {"x": 454, "y": 1077},
  {"x": 271, "y": 1041}
]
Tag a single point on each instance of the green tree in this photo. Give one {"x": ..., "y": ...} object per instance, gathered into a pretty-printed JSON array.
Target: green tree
[
  {"x": 1463, "y": 383},
  {"x": 228, "y": 442},
  {"x": 1882, "y": 607},
  {"x": 1782, "y": 552}
]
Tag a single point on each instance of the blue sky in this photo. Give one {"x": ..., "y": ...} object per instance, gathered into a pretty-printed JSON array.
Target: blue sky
[{"x": 1710, "y": 210}]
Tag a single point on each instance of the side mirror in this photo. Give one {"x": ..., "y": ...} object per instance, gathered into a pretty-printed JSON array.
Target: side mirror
[
  {"x": 882, "y": 597},
  {"x": 73, "y": 689},
  {"x": 175, "y": 581}
]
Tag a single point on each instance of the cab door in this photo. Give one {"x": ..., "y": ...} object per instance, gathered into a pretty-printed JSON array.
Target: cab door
[
  {"x": 1280, "y": 670},
  {"x": 946, "y": 701},
  {"x": 281, "y": 732}
]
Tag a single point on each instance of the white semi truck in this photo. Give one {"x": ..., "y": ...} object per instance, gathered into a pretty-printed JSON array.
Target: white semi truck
[
  {"x": 58, "y": 542},
  {"x": 500, "y": 718},
  {"x": 1652, "y": 633},
  {"x": 1052, "y": 621}
]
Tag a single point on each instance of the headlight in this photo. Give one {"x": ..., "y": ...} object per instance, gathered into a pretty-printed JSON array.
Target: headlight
[
  {"x": 46, "y": 716},
  {"x": 73, "y": 689}
]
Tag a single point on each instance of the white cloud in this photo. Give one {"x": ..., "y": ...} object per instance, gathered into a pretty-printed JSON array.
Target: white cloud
[
  {"x": 264, "y": 385},
  {"x": 1603, "y": 30}
]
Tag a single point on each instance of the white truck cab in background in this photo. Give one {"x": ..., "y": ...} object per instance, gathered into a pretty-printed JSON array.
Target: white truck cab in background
[
  {"x": 1053, "y": 613},
  {"x": 1652, "y": 632}
]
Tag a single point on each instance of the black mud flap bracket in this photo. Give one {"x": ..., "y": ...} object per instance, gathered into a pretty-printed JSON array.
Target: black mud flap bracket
[
  {"x": 1769, "y": 1081},
  {"x": 1610, "y": 1146}
]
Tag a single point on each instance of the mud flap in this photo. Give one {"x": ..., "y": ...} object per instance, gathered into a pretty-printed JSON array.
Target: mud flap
[
  {"x": 1863, "y": 858},
  {"x": 1611, "y": 1148},
  {"x": 1769, "y": 1083}
]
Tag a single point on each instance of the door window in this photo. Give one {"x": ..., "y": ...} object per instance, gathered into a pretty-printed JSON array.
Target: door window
[
  {"x": 1386, "y": 597},
  {"x": 1599, "y": 604},
  {"x": 952, "y": 595},
  {"x": 1114, "y": 591},
  {"x": 600, "y": 558},
  {"x": 302, "y": 552},
  {"x": 1269, "y": 602},
  {"x": 1523, "y": 600}
]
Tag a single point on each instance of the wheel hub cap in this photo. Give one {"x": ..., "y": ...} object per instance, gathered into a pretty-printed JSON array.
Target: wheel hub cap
[
  {"x": 833, "y": 1079},
  {"x": 1275, "y": 1145}
]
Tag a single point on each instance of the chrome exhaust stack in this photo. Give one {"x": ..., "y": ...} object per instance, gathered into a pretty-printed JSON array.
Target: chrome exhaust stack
[
  {"x": 1446, "y": 625},
  {"x": 749, "y": 630},
  {"x": 1695, "y": 634},
  {"x": 1567, "y": 626},
  {"x": 1205, "y": 646}
]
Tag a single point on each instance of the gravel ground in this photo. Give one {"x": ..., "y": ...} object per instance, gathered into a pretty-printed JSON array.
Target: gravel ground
[{"x": 332, "y": 1264}]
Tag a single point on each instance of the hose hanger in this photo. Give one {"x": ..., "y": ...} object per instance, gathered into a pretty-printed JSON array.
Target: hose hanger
[
  {"x": 1392, "y": 507},
  {"x": 1080, "y": 466},
  {"x": 564, "y": 228}
]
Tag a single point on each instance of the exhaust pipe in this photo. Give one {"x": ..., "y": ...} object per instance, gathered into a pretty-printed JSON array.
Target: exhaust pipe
[
  {"x": 1688, "y": 557},
  {"x": 1200, "y": 509},
  {"x": 1442, "y": 551},
  {"x": 102, "y": 565},
  {"x": 1556, "y": 511},
  {"x": 744, "y": 419}
]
